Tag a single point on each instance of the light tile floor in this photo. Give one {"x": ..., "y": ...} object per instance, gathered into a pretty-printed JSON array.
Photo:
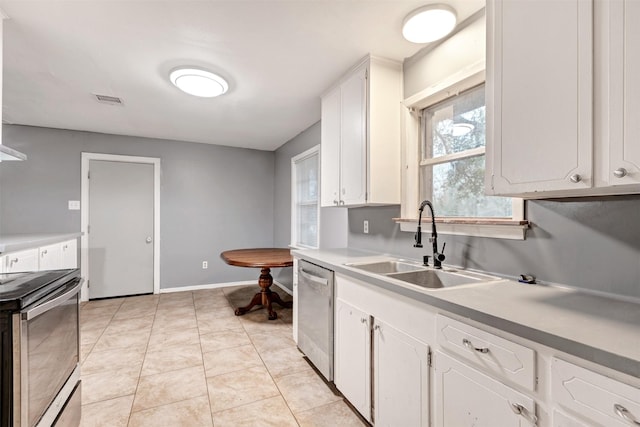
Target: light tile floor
[{"x": 184, "y": 359}]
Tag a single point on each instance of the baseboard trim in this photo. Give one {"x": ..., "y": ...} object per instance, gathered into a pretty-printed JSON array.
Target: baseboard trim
[
  {"x": 220, "y": 285},
  {"x": 206, "y": 286}
]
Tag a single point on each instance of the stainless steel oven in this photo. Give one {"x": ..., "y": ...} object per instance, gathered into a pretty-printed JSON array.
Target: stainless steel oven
[{"x": 45, "y": 354}]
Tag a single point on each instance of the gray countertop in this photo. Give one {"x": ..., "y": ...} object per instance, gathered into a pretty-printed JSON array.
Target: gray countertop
[
  {"x": 18, "y": 242},
  {"x": 604, "y": 330}
]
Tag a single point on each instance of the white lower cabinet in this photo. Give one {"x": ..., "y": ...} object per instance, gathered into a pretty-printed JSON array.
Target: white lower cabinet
[
  {"x": 353, "y": 356},
  {"x": 599, "y": 400},
  {"x": 50, "y": 257},
  {"x": 68, "y": 254},
  {"x": 387, "y": 381},
  {"x": 466, "y": 397},
  {"x": 57, "y": 256},
  {"x": 17, "y": 262},
  {"x": 401, "y": 378}
]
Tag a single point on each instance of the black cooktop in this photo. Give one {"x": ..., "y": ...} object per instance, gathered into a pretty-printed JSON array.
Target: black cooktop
[{"x": 18, "y": 290}]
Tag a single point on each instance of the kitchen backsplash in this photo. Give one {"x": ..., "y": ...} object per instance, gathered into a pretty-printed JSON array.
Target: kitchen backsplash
[{"x": 585, "y": 243}]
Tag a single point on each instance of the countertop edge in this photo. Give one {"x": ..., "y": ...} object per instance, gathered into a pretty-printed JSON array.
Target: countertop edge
[
  {"x": 575, "y": 348},
  {"x": 18, "y": 242}
]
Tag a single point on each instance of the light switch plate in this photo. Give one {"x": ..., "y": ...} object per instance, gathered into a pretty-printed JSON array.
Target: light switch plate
[{"x": 74, "y": 205}]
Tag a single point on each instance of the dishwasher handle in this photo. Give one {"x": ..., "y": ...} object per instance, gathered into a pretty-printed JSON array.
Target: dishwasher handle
[{"x": 313, "y": 280}]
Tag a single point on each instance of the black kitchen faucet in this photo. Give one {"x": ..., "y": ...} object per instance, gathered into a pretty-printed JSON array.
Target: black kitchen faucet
[{"x": 438, "y": 257}]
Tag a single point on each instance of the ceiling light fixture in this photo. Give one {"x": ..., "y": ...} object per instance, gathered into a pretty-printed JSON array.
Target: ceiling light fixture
[
  {"x": 198, "y": 82},
  {"x": 429, "y": 23},
  {"x": 462, "y": 129}
]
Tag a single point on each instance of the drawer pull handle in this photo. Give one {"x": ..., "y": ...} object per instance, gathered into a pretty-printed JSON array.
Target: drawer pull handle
[
  {"x": 363, "y": 320},
  {"x": 470, "y": 346},
  {"x": 524, "y": 413},
  {"x": 624, "y": 413},
  {"x": 14, "y": 261}
]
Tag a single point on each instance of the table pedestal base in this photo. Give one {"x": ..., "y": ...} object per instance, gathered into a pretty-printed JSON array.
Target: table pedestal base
[{"x": 265, "y": 297}]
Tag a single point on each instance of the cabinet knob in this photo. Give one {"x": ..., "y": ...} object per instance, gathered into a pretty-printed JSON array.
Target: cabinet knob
[
  {"x": 341, "y": 202},
  {"x": 335, "y": 202},
  {"x": 376, "y": 328},
  {"x": 363, "y": 320},
  {"x": 620, "y": 173},
  {"x": 44, "y": 252},
  {"x": 575, "y": 178}
]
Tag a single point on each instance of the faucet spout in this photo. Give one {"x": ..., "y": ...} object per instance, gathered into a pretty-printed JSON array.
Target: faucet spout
[{"x": 438, "y": 257}]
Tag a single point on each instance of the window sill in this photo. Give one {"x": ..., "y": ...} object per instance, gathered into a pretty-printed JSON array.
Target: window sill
[{"x": 494, "y": 228}]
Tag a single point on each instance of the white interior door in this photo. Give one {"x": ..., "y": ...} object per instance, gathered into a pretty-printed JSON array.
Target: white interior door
[{"x": 121, "y": 228}]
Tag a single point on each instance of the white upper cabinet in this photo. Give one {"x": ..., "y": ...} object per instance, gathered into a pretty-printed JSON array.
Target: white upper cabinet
[
  {"x": 621, "y": 36},
  {"x": 539, "y": 96},
  {"x": 563, "y": 98},
  {"x": 360, "y": 136}
]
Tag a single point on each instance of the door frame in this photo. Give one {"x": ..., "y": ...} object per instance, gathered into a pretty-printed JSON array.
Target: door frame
[{"x": 84, "y": 214}]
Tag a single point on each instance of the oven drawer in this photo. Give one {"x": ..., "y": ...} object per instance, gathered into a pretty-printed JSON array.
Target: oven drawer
[{"x": 70, "y": 415}]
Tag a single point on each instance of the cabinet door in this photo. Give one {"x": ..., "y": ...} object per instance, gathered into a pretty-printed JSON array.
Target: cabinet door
[
  {"x": 18, "y": 262},
  {"x": 465, "y": 397},
  {"x": 50, "y": 257},
  {"x": 353, "y": 356},
  {"x": 401, "y": 378},
  {"x": 69, "y": 254},
  {"x": 539, "y": 96},
  {"x": 624, "y": 135},
  {"x": 353, "y": 149},
  {"x": 330, "y": 149}
]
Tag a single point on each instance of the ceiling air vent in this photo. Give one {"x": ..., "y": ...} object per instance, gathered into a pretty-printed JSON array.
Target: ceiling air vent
[{"x": 106, "y": 99}]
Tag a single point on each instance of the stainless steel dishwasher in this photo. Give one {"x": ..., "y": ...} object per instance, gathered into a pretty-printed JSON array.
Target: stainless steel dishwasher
[{"x": 315, "y": 316}]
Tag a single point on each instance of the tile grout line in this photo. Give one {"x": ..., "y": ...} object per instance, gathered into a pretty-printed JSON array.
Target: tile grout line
[{"x": 142, "y": 364}]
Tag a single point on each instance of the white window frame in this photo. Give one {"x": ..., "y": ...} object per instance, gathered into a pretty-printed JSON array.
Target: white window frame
[
  {"x": 469, "y": 77},
  {"x": 313, "y": 151}
]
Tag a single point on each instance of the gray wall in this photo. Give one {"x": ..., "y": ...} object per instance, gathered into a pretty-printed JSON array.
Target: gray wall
[
  {"x": 333, "y": 221},
  {"x": 585, "y": 243},
  {"x": 212, "y": 198}
]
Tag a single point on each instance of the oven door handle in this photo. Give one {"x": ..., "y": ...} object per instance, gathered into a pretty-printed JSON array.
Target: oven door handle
[{"x": 52, "y": 303}]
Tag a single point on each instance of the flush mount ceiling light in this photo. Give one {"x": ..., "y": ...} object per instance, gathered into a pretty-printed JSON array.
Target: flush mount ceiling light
[
  {"x": 429, "y": 23},
  {"x": 198, "y": 82}
]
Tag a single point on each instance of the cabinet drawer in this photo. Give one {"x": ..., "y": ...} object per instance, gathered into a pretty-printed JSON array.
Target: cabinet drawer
[
  {"x": 600, "y": 399},
  {"x": 18, "y": 262},
  {"x": 498, "y": 356}
]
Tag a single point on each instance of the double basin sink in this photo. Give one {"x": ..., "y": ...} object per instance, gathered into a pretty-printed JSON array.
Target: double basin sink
[{"x": 424, "y": 277}]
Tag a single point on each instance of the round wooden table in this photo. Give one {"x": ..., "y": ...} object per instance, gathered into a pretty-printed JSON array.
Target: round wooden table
[{"x": 265, "y": 259}]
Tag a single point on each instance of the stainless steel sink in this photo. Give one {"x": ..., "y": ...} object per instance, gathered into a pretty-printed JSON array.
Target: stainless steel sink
[
  {"x": 387, "y": 267},
  {"x": 436, "y": 279},
  {"x": 422, "y": 276}
]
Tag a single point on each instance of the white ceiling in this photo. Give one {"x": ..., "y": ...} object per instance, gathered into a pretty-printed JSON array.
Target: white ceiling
[{"x": 279, "y": 56}]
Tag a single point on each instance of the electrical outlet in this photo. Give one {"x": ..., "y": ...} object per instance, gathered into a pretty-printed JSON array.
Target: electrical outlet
[
  {"x": 366, "y": 226},
  {"x": 205, "y": 265}
]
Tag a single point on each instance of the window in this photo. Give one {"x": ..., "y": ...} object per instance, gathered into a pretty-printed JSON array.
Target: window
[
  {"x": 452, "y": 160},
  {"x": 305, "y": 193},
  {"x": 444, "y": 161}
]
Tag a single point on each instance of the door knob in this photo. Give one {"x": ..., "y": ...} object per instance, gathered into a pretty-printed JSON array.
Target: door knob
[{"x": 148, "y": 240}]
